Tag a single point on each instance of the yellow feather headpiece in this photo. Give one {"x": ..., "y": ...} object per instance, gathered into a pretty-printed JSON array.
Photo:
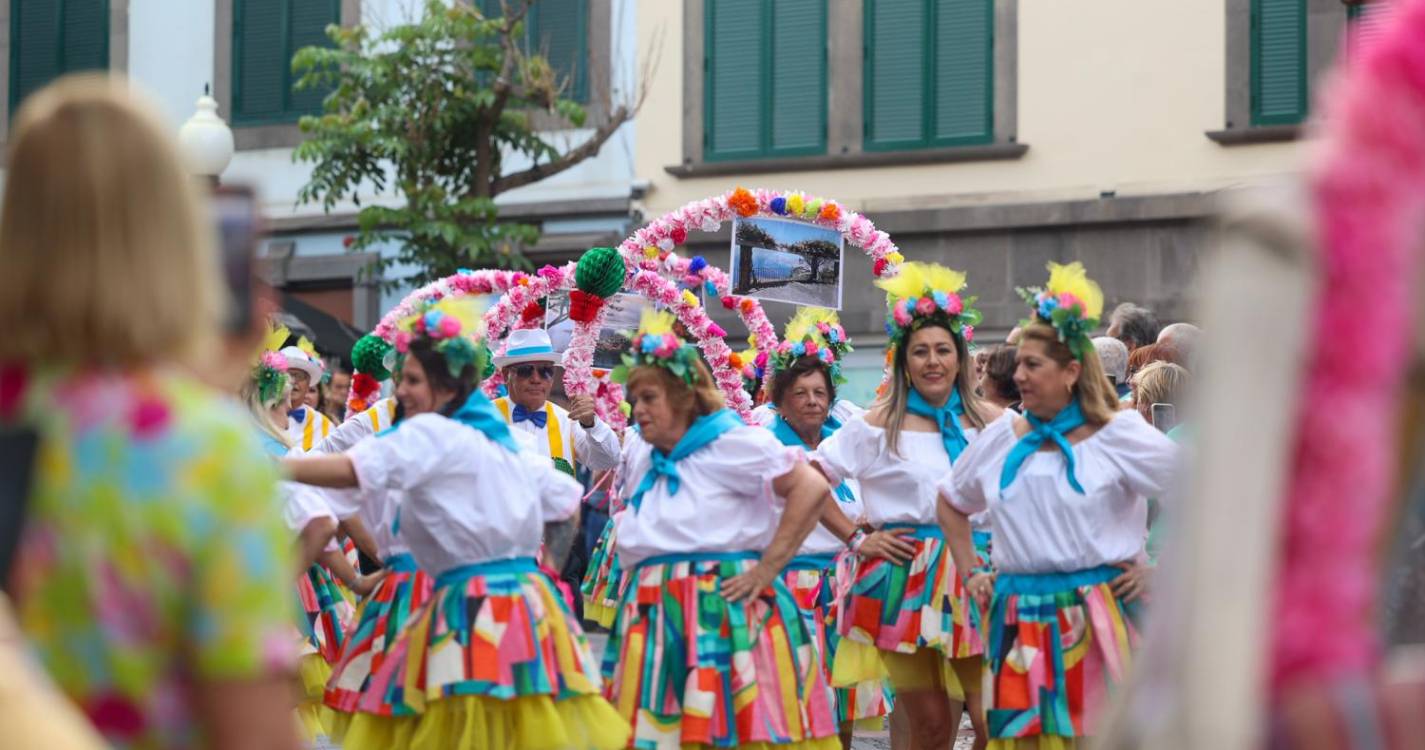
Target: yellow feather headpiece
[
  {"x": 813, "y": 331},
  {"x": 922, "y": 292},
  {"x": 656, "y": 344},
  {"x": 457, "y": 329},
  {"x": 1071, "y": 302}
]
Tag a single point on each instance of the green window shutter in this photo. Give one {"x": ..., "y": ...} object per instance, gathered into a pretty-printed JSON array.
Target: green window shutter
[
  {"x": 1368, "y": 22},
  {"x": 896, "y": 74},
  {"x": 964, "y": 72},
  {"x": 86, "y": 35},
  {"x": 49, "y": 38},
  {"x": 260, "y": 61},
  {"x": 559, "y": 29},
  {"x": 34, "y": 47},
  {"x": 735, "y": 79},
  {"x": 308, "y": 24},
  {"x": 798, "y": 88},
  {"x": 1278, "y": 62}
]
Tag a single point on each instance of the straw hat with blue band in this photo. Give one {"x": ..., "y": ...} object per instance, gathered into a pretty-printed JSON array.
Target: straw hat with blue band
[{"x": 527, "y": 345}]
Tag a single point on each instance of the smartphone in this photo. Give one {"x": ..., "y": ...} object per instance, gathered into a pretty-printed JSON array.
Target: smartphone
[
  {"x": 18, "y": 447},
  {"x": 235, "y": 208},
  {"x": 1164, "y": 417}
]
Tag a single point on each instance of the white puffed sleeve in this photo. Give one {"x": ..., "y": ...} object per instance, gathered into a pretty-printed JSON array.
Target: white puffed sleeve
[
  {"x": 301, "y": 505},
  {"x": 1146, "y": 459},
  {"x": 346, "y": 435},
  {"x": 964, "y": 485},
  {"x": 849, "y": 452},
  {"x": 746, "y": 460},
  {"x": 763, "y": 415},
  {"x": 559, "y": 494},
  {"x": 401, "y": 459}
]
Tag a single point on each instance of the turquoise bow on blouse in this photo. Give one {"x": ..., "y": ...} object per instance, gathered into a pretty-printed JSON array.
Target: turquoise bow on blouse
[
  {"x": 1068, "y": 419},
  {"x": 947, "y": 418},
  {"x": 789, "y": 436},
  {"x": 704, "y": 430}
]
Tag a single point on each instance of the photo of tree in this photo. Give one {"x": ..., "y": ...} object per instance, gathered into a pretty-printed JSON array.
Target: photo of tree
[{"x": 787, "y": 261}]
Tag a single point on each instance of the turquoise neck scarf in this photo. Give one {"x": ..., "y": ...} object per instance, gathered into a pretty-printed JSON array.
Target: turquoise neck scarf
[
  {"x": 1070, "y": 418},
  {"x": 479, "y": 413},
  {"x": 789, "y": 436},
  {"x": 703, "y": 431},
  {"x": 947, "y": 418}
]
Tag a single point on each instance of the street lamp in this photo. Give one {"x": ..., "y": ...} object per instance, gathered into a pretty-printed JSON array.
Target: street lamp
[{"x": 205, "y": 140}]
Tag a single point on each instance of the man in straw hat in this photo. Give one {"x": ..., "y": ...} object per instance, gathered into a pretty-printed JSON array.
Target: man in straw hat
[{"x": 529, "y": 368}]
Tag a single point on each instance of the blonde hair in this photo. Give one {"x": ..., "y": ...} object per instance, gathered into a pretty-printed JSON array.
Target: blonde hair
[
  {"x": 1096, "y": 395},
  {"x": 896, "y": 402},
  {"x": 106, "y": 253},
  {"x": 1161, "y": 383},
  {"x": 700, "y": 399},
  {"x": 262, "y": 413}
]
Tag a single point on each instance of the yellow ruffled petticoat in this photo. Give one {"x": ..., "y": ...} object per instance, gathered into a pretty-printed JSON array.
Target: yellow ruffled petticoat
[{"x": 313, "y": 716}]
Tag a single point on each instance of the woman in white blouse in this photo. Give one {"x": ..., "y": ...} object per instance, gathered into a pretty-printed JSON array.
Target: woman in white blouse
[
  {"x": 1066, "y": 485},
  {"x": 905, "y": 607},
  {"x": 496, "y": 659},
  {"x": 708, "y": 648}
]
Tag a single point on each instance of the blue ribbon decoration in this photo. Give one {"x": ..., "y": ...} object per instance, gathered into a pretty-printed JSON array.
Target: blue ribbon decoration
[
  {"x": 947, "y": 418},
  {"x": 1068, "y": 419},
  {"x": 703, "y": 431},
  {"x": 789, "y": 436},
  {"x": 539, "y": 416}
]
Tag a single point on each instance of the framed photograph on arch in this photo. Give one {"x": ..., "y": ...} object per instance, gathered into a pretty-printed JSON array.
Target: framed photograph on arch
[{"x": 781, "y": 260}]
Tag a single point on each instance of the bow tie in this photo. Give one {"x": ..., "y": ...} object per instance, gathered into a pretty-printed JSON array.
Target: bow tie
[{"x": 539, "y": 416}]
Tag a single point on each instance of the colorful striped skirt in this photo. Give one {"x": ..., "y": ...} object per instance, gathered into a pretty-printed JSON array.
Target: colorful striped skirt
[
  {"x": 380, "y": 619},
  {"x": 603, "y": 580},
  {"x": 326, "y": 614},
  {"x": 898, "y": 609},
  {"x": 811, "y": 579},
  {"x": 494, "y": 659},
  {"x": 688, "y": 668},
  {"x": 1058, "y": 642}
]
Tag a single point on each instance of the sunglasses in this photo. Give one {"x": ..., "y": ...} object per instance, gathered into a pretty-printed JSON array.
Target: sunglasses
[{"x": 545, "y": 371}]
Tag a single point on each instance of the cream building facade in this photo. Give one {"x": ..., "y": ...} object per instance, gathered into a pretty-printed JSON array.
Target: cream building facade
[{"x": 1102, "y": 131}]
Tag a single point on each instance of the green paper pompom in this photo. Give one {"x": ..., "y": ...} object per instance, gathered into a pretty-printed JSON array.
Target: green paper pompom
[
  {"x": 368, "y": 355},
  {"x": 600, "y": 272}
]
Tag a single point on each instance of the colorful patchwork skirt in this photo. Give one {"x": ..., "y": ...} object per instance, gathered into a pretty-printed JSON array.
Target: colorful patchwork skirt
[
  {"x": 603, "y": 580},
  {"x": 890, "y": 611},
  {"x": 690, "y": 669},
  {"x": 494, "y": 660},
  {"x": 983, "y": 547},
  {"x": 325, "y": 614},
  {"x": 381, "y": 618},
  {"x": 811, "y": 579},
  {"x": 1057, "y": 644}
]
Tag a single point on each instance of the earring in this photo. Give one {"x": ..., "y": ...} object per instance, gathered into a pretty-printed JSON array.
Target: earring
[{"x": 1069, "y": 388}]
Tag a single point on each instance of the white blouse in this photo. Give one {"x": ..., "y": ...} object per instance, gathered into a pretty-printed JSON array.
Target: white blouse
[
  {"x": 724, "y": 503},
  {"x": 302, "y": 504},
  {"x": 1042, "y": 524},
  {"x": 894, "y": 488},
  {"x": 375, "y": 507},
  {"x": 466, "y": 498}
]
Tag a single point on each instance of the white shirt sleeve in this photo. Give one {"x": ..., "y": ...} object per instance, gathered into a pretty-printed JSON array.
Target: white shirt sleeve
[
  {"x": 346, "y": 435},
  {"x": 597, "y": 447},
  {"x": 559, "y": 494},
  {"x": 400, "y": 460},
  {"x": 962, "y": 486},
  {"x": 1145, "y": 458},
  {"x": 849, "y": 452},
  {"x": 751, "y": 458},
  {"x": 301, "y": 505}
]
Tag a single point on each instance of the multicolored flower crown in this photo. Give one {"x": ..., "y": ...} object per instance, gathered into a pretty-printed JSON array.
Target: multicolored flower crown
[
  {"x": 269, "y": 370},
  {"x": 813, "y": 331},
  {"x": 456, "y": 330},
  {"x": 655, "y": 344},
  {"x": 1071, "y": 302},
  {"x": 927, "y": 293}
]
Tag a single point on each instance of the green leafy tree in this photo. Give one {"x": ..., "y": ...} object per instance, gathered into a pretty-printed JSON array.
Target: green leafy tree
[{"x": 430, "y": 109}]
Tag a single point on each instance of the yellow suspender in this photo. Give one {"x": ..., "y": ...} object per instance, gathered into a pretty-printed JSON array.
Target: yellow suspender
[
  {"x": 551, "y": 429},
  {"x": 307, "y": 430},
  {"x": 374, "y": 415}
]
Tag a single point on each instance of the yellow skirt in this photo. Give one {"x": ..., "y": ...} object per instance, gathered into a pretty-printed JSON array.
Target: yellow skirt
[
  {"x": 925, "y": 669},
  {"x": 1044, "y": 742},
  {"x": 315, "y": 719},
  {"x": 472, "y": 722}
]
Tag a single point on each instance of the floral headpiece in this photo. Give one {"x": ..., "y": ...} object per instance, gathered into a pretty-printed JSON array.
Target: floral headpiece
[
  {"x": 456, "y": 329},
  {"x": 656, "y": 344},
  {"x": 269, "y": 370},
  {"x": 927, "y": 293},
  {"x": 814, "y": 331},
  {"x": 1071, "y": 302}
]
